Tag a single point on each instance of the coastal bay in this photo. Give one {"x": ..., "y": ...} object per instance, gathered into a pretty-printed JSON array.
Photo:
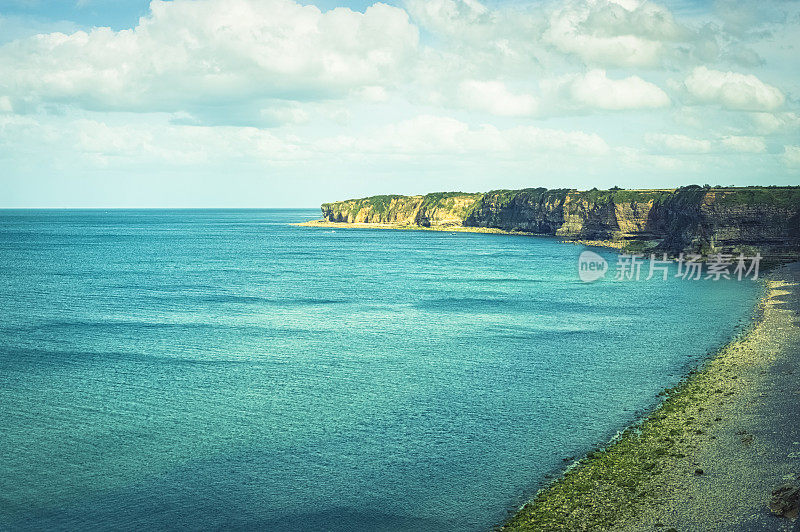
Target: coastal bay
[
  {"x": 399, "y": 266},
  {"x": 710, "y": 455},
  {"x": 238, "y": 371}
]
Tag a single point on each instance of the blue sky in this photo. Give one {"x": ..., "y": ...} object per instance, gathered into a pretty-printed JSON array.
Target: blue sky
[{"x": 275, "y": 103}]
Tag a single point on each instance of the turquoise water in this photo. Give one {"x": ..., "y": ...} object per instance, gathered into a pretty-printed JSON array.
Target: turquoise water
[{"x": 224, "y": 369}]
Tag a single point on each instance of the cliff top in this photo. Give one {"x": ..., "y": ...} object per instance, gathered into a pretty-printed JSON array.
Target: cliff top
[{"x": 778, "y": 195}]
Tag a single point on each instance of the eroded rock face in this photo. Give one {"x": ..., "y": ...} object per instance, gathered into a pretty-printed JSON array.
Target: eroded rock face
[
  {"x": 379, "y": 209},
  {"x": 531, "y": 210},
  {"x": 691, "y": 219},
  {"x": 431, "y": 209}
]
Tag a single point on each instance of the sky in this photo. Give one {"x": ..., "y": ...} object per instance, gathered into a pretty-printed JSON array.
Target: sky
[{"x": 277, "y": 103}]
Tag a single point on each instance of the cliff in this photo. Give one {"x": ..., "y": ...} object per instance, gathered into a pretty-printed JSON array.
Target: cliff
[
  {"x": 690, "y": 219},
  {"x": 443, "y": 208}
]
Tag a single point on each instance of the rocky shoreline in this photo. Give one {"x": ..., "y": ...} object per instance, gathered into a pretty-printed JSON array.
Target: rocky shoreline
[{"x": 722, "y": 452}]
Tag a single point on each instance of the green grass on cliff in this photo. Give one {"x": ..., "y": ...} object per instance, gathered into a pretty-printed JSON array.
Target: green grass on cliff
[
  {"x": 624, "y": 196},
  {"x": 779, "y": 196},
  {"x": 439, "y": 196},
  {"x": 782, "y": 197},
  {"x": 450, "y": 201},
  {"x": 785, "y": 197},
  {"x": 504, "y": 197},
  {"x": 685, "y": 199},
  {"x": 378, "y": 204}
]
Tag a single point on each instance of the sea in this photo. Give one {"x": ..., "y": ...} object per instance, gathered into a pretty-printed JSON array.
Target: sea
[{"x": 225, "y": 369}]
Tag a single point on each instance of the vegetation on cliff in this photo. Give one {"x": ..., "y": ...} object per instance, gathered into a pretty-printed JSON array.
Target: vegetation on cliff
[
  {"x": 435, "y": 208},
  {"x": 785, "y": 197},
  {"x": 689, "y": 219},
  {"x": 375, "y": 204}
]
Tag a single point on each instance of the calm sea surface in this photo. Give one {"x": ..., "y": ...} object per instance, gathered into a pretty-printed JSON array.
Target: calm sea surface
[{"x": 224, "y": 369}]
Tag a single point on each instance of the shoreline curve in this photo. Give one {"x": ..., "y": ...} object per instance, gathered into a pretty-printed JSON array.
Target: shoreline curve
[{"x": 710, "y": 455}]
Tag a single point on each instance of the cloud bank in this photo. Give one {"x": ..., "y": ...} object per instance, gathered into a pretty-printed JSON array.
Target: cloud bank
[{"x": 576, "y": 93}]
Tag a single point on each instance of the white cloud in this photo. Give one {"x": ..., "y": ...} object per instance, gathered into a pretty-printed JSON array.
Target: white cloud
[
  {"x": 497, "y": 84},
  {"x": 495, "y": 98},
  {"x": 742, "y": 18},
  {"x": 469, "y": 40},
  {"x": 732, "y": 90},
  {"x": 682, "y": 144},
  {"x": 97, "y": 137},
  {"x": 744, "y": 144},
  {"x": 642, "y": 160},
  {"x": 677, "y": 143},
  {"x": 451, "y": 17},
  {"x": 576, "y": 142},
  {"x": 745, "y": 57},
  {"x": 791, "y": 156},
  {"x": 140, "y": 142},
  {"x": 495, "y": 39},
  {"x": 427, "y": 134},
  {"x": 137, "y": 142},
  {"x": 422, "y": 134},
  {"x": 768, "y": 123},
  {"x": 439, "y": 135},
  {"x": 287, "y": 114},
  {"x": 209, "y": 52},
  {"x": 614, "y": 33},
  {"x": 595, "y": 90},
  {"x": 372, "y": 94}
]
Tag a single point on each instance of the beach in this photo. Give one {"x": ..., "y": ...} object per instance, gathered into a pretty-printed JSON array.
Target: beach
[{"x": 710, "y": 456}]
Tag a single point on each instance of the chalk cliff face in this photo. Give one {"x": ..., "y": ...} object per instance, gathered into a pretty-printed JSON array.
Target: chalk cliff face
[
  {"x": 690, "y": 219},
  {"x": 446, "y": 208}
]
